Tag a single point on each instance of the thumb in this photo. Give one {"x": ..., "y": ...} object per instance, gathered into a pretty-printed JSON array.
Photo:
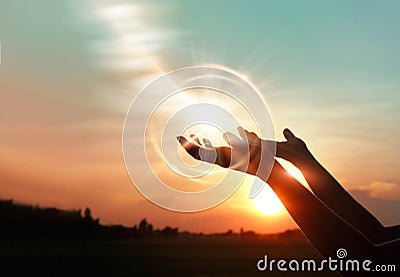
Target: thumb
[{"x": 288, "y": 134}]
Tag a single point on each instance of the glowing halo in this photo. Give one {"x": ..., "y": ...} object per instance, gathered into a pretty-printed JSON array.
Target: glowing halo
[{"x": 207, "y": 94}]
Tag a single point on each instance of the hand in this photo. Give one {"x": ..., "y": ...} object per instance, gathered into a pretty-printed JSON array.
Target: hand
[
  {"x": 243, "y": 154},
  {"x": 293, "y": 149}
]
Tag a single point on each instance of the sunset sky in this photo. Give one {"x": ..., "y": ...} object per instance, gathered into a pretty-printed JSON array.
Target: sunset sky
[{"x": 70, "y": 70}]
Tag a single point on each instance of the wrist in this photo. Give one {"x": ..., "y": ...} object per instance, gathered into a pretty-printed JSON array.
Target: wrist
[
  {"x": 276, "y": 174},
  {"x": 303, "y": 159},
  {"x": 267, "y": 159}
]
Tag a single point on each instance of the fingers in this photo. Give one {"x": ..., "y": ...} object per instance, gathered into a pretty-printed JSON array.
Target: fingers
[
  {"x": 288, "y": 134},
  {"x": 190, "y": 147},
  {"x": 207, "y": 143},
  {"x": 195, "y": 138},
  {"x": 196, "y": 150},
  {"x": 208, "y": 153},
  {"x": 242, "y": 133},
  {"x": 252, "y": 138},
  {"x": 249, "y": 137},
  {"x": 183, "y": 141},
  {"x": 232, "y": 139}
]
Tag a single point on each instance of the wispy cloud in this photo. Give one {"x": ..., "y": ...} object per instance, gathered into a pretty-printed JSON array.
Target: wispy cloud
[
  {"x": 127, "y": 49},
  {"x": 383, "y": 190}
]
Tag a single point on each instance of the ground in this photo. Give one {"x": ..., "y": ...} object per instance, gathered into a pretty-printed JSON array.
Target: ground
[{"x": 147, "y": 256}]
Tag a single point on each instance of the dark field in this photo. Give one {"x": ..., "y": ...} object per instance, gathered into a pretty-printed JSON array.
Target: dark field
[
  {"x": 39, "y": 241},
  {"x": 148, "y": 256}
]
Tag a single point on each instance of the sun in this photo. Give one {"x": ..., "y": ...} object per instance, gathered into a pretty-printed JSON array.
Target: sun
[
  {"x": 266, "y": 202},
  {"x": 294, "y": 172}
]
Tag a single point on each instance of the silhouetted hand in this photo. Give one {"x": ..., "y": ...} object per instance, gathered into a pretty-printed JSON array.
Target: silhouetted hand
[
  {"x": 243, "y": 154},
  {"x": 293, "y": 149}
]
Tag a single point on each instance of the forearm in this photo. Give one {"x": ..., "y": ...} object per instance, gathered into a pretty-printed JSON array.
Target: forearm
[
  {"x": 329, "y": 191},
  {"x": 326, "y": 231}
]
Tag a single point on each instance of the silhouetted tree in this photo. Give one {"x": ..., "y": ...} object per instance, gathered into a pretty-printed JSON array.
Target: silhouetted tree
[
  {"x": 170, "y": 232},
  {"x": 143, "y": 225},
  {"x": 88, "y": 214},
  {"x": 34, "y": 221}
]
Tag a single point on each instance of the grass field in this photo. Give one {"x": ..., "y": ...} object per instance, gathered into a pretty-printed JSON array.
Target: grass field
[{"x": 147, "y": 256}]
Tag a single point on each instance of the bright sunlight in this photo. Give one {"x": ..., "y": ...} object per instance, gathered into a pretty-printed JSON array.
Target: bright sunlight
[{"x": 267, "y": 202}]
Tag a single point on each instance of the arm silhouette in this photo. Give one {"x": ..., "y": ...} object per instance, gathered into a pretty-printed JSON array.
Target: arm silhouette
[
  {"x": 323, "y": 227},
  {"x": 326, "y": 230},
  {"x": 329, "y": 190}
]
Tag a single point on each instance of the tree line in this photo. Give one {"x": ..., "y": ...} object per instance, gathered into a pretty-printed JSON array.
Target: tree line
[{"x": 28, "y": 221}]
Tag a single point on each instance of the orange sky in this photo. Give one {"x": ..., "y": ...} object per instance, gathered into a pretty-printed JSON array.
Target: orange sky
[{"x": 65, "y": 92}]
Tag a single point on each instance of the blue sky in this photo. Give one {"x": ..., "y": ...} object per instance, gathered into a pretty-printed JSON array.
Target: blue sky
[{"x": 327, "y": 69}]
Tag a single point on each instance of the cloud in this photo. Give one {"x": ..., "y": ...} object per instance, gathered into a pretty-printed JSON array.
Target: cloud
[
  {"x": 129, "y": 45},
  {"x": 386, "y": 211},
  {"x": 383, "y": 190},
  {"x": 381, "y": 198}
]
